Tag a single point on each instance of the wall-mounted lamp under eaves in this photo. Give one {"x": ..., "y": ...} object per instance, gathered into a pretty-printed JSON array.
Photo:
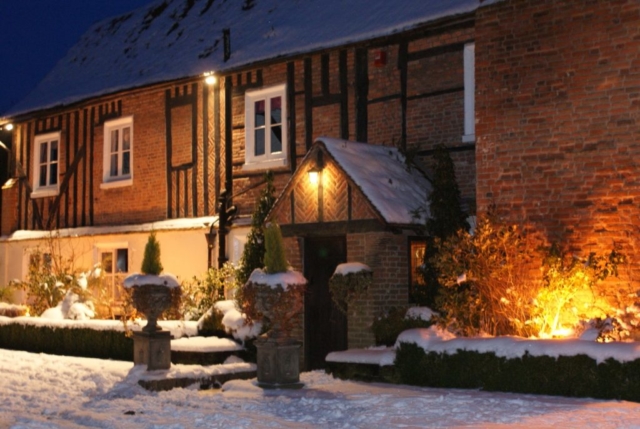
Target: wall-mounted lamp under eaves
[{"x": 209, "y": 78}]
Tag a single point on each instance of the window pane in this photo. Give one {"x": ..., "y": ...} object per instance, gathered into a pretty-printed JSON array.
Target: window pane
[
  {"x": 43, "y": 175},
  {"x": 126, "y": 163},
  {"x": 114, "y": 141},
  {"x": 276, "y": 139},
  {"x": 43, "y": 153},
  {"x": 54, "y": 151},
  {"x": 107, "y": 262},
  {"x": 122, "y": 264},
  {"x": 53, "y": 179},
  {"x": 126, "y": 138},
  {"x": 259, "y": 142},
  {"x": 259, "y": 114},
  {"x": 113, "y": 171},
  {"x": 276, "y": 110}
]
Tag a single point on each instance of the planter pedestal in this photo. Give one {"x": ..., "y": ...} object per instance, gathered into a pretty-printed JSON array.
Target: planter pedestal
[
  {"x": 278, "y": 363},
  {"x": 152, "y": 349}
]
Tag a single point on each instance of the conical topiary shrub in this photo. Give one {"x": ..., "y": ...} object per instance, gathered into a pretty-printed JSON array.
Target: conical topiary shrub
[
  {"x": 151, "y": 262},
  {"x": 274, "y": 258}
]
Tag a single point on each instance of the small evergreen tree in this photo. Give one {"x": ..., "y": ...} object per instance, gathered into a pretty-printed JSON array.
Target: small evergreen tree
[
  {"x": 253, "y": 253},
  {"x": 151, "y": 262},
  {"x": 447, "y": 217},
  {"x": 274, "y": 259}
]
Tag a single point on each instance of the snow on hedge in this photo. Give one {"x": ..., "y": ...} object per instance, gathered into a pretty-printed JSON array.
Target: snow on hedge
[
  {"x": 434, "y": 339},
  {"x": 351, "y": 267},
  {"x": 286, "y": 279}
]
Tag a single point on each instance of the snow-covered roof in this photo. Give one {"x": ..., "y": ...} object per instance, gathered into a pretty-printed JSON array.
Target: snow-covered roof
[
  {"x": 173, "y": 39},
  {"x": 398, "y": 192},
  {"x": 164, "y": 225}
]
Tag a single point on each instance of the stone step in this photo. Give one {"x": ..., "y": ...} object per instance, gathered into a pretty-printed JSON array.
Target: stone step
[
  {"x": 211, "y": 377},
  {"x": 204, "y": 350}
]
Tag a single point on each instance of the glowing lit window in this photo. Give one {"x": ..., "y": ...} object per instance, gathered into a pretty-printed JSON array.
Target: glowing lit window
[
  {"x": 115, "y": 266},
  {"x": 266, "y": 125}
]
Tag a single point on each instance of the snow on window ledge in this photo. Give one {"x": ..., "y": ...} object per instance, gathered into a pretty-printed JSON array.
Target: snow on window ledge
[{"x": 116, "y": 184}]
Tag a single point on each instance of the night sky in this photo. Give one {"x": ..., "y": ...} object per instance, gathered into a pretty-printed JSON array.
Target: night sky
[{"x": 35, "y": 34}]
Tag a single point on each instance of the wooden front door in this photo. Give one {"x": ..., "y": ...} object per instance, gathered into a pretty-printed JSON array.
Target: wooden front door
[{"x": 325, "y": 325}]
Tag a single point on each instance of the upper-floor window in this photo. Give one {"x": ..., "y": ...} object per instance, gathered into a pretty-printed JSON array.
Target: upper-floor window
[
  {"x": 46, "y": 160},
  {"x": 266, "y": 128},
  {"x": 118, "y": 153},
  {"x": 469, "y": 93}
]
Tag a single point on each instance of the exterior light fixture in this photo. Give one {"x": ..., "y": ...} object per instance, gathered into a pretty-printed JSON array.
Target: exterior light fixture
[
  {"x": 210, "y": 78},
  {"x": 8, "y": 127},
  {"x": 315, "y": 172},
  {"x": 9, "y": 183},
  {"x": 314, "y": 176}
]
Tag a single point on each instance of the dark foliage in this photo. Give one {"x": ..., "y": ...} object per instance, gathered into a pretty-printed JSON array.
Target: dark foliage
[
  {"x": 253, "y": 253},
  {"x": 447, "y": 217},
  {"x": 579, "y": 376}
]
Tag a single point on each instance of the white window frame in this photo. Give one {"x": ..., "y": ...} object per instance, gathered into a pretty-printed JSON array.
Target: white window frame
[
  {"x": 469, "y": 58},
  {"x": 112, "y": 248},
  {"x": 47, "y": 190},
  {"x": 120, "y": 180},
  {"x": 268, "y": 160}
]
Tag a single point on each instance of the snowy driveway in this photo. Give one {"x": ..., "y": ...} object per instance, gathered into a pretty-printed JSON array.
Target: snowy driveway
[{"x": 45, "y": 391}]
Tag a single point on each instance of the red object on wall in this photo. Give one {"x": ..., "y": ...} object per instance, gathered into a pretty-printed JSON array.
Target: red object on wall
[{"x": 379, "y": 58}]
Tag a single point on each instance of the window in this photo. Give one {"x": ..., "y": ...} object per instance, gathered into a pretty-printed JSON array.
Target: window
[
  {"x": 118, "y": 151},
  {"x": 469, "y": 93},
  {"x": 417, "y": 249},
  {"x": 115, "y": 266},
  {"x": 46, "y": 157},
  {"x": 266, "y": 128}
]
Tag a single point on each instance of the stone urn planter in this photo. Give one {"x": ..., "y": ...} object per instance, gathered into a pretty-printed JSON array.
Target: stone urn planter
[
  {"x": 151, "y": 296},
  {"x": 277, "y": 299}
]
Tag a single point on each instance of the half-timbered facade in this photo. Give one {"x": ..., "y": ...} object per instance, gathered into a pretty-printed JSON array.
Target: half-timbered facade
[{"x": 153, "y": 114}]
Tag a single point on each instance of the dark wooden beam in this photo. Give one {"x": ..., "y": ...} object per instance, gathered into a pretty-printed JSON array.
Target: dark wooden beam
[
  {"x": 318, "y": 229},
  {"x": 205, "y": 148},
  {"x": 362, "y": 94},
  {"x": 344, "y": 95},
  {"x": 403, "y": 67},
  {"x": 194, "y": 148},
  {"x": 168, "y": 153},
  {"x": 291, "y": 109},
  {"x": 308, "y": 104}
]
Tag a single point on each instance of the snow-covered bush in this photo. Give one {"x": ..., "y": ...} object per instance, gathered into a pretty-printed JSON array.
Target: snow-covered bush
[
  {"x": 386, "y": 327},
  {"x": 51, "y": 277},
  {"x": 350, "y": 283}
]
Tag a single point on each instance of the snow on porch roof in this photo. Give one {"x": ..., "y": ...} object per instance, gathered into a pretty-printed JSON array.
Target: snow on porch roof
[
  {"x": 397, "y": 191},
  {"x": 174, "y": 39}
]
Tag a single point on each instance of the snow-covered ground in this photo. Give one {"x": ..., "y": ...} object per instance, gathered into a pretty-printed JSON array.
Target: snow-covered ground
[{"x": 45, "y": 391}]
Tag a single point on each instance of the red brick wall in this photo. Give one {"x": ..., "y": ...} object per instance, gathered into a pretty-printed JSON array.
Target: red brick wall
[
  {"x": 387, "y": 255},
  {"x": 146, "y": 199},
  {"x": 557, "y": 102}
]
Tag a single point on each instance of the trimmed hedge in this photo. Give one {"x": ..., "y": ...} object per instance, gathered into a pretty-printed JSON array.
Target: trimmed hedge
[
  {"x": 361, "y": 372},
  {"x": 579, "y": 376},
  {"x": 81, "y": 342}
]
